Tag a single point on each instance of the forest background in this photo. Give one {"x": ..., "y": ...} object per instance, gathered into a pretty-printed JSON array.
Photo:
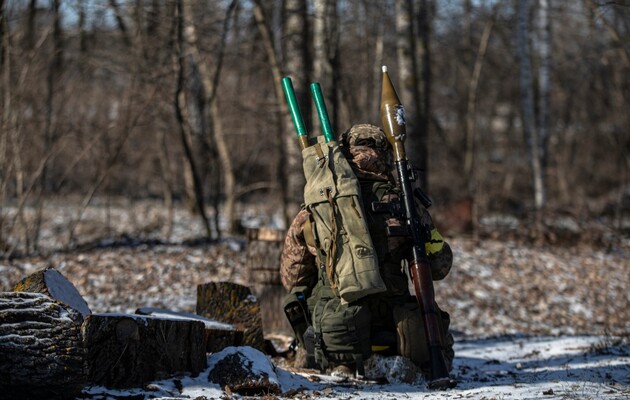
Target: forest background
[{"x": 515, "y": 108}]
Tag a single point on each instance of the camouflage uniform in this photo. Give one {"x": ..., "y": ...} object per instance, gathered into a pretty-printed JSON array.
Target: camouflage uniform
[{"x": 366, "y": 148}]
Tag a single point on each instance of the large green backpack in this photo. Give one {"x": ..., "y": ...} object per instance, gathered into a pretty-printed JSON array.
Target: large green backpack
[
  {"x": 362, "y": 291},
  {"x": 349, "y": 261}
]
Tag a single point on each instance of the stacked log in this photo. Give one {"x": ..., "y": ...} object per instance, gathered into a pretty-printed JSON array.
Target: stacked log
[
  {"x": 126, "y": 351},
  {"x": 232, "y": 304},
  {"x": 217, "y": 335},
  {"x": 41, "y": 350},
  {"x": 263, "y": 265}
]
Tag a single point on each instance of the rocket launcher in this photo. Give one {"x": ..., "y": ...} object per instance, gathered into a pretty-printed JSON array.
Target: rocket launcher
[{"x": 393, "y": 119}]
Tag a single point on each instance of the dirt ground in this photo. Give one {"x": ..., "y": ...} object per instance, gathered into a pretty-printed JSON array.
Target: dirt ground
[
  {"x": 501, "y": 283},
  {"x": 504, "y": 290}
]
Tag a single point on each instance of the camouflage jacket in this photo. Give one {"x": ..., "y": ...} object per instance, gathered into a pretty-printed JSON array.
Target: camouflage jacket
[{"x": 298, "y": 263}]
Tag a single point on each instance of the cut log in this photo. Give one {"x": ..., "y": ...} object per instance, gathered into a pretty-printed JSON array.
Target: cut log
[
  {"x": 130, "y": 350},
  {"x": 217, "y": 334},
  {"x": 41, "y": 350},
  {"x": 245, "y": 371},
  {"x": 52, "y": 283},
  {"x": 263, "y": 265},
  {"x": 232, "y": 304}
]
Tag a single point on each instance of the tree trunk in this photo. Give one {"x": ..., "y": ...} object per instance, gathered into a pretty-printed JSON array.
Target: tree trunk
[
  {"x": 210, "y": 86},
  {"x": 167, "y": 184},
  {"x": 325, "y": 46},
  {"x": 471, "y": 125},
  {"x": 423, "y": 49},
  {"x": 544, "y": 84},
  {"x": 41, "y": 350},
  {"x": 122, "y": 26},
  {"x": 232, "y": 304},
  {"x": 297, "y": 61},
  {"x": 527, "y": 103},
  {"x": 127, "y": 351},
  {"x": 263, "y": 266},
  {"x": 179, "y": 99},
  {"x": 4, "y": 126},
  {"x": 30, "y": 29},
  {"x": 283, "y": 119},
  {"x": 408, "y": 80}
]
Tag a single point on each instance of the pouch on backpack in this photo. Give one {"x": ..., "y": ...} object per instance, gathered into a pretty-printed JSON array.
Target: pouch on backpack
[
  {"x": 411, "y": 335},
  {"x": 342, "y": 332}
]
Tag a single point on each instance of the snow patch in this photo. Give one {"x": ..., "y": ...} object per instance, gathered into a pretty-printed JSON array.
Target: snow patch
[{"x": 167, "y": 314}]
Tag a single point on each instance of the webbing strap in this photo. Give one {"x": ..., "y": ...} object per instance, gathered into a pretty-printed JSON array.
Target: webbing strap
[
  {"x": 307, "y": 231},
  {"x": 331, "y": 254}
]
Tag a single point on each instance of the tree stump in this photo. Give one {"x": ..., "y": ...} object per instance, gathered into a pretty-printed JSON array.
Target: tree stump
[
  {"x": 233, "y": 304},
  {"x": 41, "y": 350},
  {"x": 263, "y": 265},
  {"x": 218, "y": 335},
  {"x": 52, "y": 283},
  {"x": 245, "y": 371},
  {"x": 130, "y": 350}
]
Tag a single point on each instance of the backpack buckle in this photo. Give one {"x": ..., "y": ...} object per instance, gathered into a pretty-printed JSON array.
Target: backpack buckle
[{"x": 325, "y": 190}]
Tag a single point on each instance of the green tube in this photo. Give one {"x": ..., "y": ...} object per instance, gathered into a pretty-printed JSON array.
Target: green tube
[
  {"x": 320, "y": 105},
  {"x": 300, "y": 128}
]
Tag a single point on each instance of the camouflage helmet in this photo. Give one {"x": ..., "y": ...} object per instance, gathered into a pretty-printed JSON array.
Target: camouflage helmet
[{"x": 365, "y": 135}]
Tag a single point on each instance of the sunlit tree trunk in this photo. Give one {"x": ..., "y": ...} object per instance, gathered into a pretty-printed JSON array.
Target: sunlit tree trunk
[
  {"x": 326, "y": 49},
  {"x": 544, "y": 83},
  {"x": 425, "y": 10},
  {"x": 210, "y": 84},
  {"x": 296, "y": 61},
  {"x": 4, "y": 104},
  {"x": 282, "y": 116},
  {"x": 407, "y": 84},
  {"x": 471, "y": 175},
  {"x": 527, "y": 103},
  {"x": 179, "y": 106},
  {"x": 50, "y": 130}
]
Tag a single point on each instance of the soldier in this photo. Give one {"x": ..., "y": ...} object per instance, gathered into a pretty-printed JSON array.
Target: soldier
[{"x": 395, "y": 323}]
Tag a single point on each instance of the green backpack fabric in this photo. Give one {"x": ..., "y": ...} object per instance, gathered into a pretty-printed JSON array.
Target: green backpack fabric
[
  {"x": 332, "y": 196},
  {"x": 342, "y": 331}
]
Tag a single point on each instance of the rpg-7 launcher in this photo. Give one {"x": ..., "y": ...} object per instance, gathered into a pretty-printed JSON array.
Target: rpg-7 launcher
[{"x": 393, "y": 119}]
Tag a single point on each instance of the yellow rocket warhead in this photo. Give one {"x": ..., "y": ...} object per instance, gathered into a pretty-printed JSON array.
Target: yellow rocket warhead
[{"x": 392, "y": 117}]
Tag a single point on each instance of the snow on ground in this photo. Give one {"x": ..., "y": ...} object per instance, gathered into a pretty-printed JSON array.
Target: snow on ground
[{"x": 509, "y": 367}]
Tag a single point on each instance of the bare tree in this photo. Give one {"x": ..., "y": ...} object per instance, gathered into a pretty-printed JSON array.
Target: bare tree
[
  {"x": 4, "y": 104},
  {"x": 408, "y": 80},
  {"x": 544, "y": 37},
  {"x": 282, "y": 115},
  {"x": 210, "y": 84},
  {"x": 471, "y": 117},
  {"x": 326, "y": 57},
  {"x": 527, "y": 104},
  {"x": 179, "y": 99},
  {"x": 120, "y": 21},
  {"x": 296, "y": 62},
  {"x": 63, "y": 87},
  {"x": 423, "y": 92}
]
